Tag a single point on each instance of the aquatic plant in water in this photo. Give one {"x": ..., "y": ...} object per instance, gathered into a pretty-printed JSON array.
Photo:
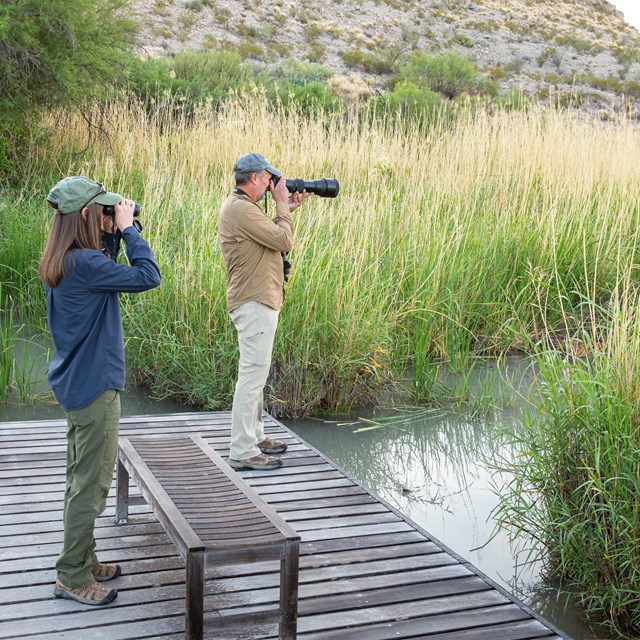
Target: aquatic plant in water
[{"x": 575, "y": 493}]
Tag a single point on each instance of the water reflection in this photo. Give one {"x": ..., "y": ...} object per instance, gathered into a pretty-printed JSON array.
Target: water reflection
[
  {"x": 436, "y": 469},
  {"x": 430, "y": 470},
  {"x": 30, "y": 397}
]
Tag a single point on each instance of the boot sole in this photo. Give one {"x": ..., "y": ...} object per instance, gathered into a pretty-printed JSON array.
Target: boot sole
[
  {"x": 281, "y": 449},
  {"x": 238, "y": 466}
]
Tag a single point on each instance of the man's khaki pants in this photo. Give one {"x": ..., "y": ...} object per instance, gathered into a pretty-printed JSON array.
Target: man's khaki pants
[
  {"x": 256, "y": 325},
  {"x": 92, "y": 444}
]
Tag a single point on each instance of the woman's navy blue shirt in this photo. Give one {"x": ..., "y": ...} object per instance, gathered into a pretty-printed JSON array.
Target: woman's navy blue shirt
[{"x": 84, "y": 320}]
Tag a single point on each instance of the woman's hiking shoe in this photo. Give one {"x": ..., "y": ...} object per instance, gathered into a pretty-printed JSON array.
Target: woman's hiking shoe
[
  {"x": 94, "y": 594},
  {"x": 107, "y": 572},
  {"x": 258, "y": 463},
  {"x": 272, "y": 446}
]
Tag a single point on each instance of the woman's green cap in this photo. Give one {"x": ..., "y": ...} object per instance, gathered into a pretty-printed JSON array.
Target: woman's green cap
[{"x": 77, "y": 192}]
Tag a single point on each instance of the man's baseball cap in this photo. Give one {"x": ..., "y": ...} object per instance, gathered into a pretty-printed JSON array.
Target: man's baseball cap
[
  {"x": 77, "y": 192},
  {"x": 254, "y": 162}
]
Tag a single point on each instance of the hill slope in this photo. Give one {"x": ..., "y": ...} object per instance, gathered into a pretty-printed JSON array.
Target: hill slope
[{"x": 580, "y": 51}]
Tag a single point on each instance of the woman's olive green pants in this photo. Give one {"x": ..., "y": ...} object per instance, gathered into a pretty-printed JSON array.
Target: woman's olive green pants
[{"x": 92, "y": 443}]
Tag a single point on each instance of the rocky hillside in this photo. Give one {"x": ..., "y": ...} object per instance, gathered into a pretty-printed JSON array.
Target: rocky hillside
[{"x": 572, "y": 51}]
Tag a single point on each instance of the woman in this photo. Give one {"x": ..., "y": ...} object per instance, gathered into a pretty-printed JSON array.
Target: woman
[{"x": 86, "y": 372}]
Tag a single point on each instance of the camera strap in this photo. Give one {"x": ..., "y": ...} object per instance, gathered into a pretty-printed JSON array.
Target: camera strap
[
  {"x": 111, "y": 244},
  {"x": 286, "y": 263},
  {"x": 111, "y": 241}
]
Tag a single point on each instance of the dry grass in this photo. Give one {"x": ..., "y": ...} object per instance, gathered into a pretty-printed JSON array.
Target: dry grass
[{"x": 441, "y": 245}]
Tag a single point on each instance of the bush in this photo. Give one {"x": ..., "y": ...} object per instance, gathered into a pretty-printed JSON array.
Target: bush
[
  {"x": 300, "y": 73},
  {"x": 312, "y": 98},
  {"x": 450, "y": 74},
  {"x": 382, "y": 63},
  {"x": 196, "y": 76},
  {"x": 409, "y": 101}
]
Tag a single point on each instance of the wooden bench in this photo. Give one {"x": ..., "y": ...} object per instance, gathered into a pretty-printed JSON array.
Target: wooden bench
[{"x": 213, "y": 517}]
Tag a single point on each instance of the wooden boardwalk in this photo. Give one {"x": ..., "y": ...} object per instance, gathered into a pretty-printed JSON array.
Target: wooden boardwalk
[{"x": 366, "y": 573}]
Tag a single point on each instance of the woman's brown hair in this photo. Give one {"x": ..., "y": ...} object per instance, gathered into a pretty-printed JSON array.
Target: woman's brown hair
[{"x": 69, "y": 231}]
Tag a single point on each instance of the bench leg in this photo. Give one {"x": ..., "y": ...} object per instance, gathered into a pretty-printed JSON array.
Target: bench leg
[
  {"x": 289, "y": 591},
  {"x": 195, "y": 596},
  {"x": 122, "y": 494}
]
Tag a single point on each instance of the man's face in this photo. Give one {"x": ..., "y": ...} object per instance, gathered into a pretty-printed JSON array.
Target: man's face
[{"x": 264, "y": 178}]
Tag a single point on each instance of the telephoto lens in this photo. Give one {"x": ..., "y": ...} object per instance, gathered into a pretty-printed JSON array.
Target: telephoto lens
[{"x": 324, "y": 187}]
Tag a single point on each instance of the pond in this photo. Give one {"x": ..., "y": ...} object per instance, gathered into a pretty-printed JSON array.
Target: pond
[
  {"x": 31, "y": 398},
  {"x": 435, "y": 467},
  {"x": 432, "y": 466}
]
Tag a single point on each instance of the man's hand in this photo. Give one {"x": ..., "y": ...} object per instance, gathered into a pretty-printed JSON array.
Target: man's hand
[
  {"x": 296, "y": 199},
  {"x": 280, "y": 193}
]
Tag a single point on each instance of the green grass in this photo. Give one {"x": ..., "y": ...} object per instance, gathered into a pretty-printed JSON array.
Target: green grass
[
  {"x": 441, "y": 246},
  {"x": 478, "y": 234},
  {"x": 574, "y": 497}
]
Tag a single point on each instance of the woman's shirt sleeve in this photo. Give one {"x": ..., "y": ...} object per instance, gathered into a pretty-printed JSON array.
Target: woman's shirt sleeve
[{"x": 105, "y": 275}]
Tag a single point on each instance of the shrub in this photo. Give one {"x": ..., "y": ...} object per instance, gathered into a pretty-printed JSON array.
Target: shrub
[
  {"x": 55, "y": 53},
  {"x": 312, "y": 31},
  {"x": 581, "y": 45},
  {"x": 610, "y": 83},
  {"x": 550, "y": 53},
  {"x": 409, "y": 101},
  {"x": 316, "y": 53},
  {"x": 449, "y": 73},
  {"x": 312, "y": 98},
  {"x": 382, "y": 63},
  {"x": 464, "y": 40},
  {"x": 197, "y": 76},
  {"x": 250, "y": 50},
  {"x": 300, "y": 73}
]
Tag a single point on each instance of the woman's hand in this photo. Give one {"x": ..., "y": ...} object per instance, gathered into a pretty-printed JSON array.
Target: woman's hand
[{"x": 124, "y": 214}]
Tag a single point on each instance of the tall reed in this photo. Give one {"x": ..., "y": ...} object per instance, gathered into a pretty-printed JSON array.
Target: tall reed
[
  {"x": 443, "y": 244},
  {"x": 575, "y": 493}
]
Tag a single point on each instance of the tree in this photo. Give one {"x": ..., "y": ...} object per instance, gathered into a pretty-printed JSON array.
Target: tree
[{"x": 56, "y": 52}]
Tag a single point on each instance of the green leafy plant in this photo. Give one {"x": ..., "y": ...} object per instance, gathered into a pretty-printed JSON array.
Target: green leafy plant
[{"x": 450, "y": 73}]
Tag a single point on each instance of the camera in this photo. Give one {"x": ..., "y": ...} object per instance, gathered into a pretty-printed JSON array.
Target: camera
[
  {"x": 324, "y": 187},
  {"x": 111, "y": 241}
]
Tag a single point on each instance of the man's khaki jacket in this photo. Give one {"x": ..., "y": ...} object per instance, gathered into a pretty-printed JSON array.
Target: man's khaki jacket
[{"x": 252, "y": 246}]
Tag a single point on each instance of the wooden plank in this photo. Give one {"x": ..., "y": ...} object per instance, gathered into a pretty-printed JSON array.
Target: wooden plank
[
  {"x": 473, "y": 623},
  {"x": 366, "y": 573}
]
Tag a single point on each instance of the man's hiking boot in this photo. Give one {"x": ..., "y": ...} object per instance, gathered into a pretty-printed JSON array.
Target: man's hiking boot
[
  {"x": 272, "y": 446},
  {"x": 94, "y": 594},
  {"x": 107, "y": 572},
  {"x": 258, "y": 463}
]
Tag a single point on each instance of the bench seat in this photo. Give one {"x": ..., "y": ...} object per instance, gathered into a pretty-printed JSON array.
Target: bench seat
[{"x": 213, "y": 517}]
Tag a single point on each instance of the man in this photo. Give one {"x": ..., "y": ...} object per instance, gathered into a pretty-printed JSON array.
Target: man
[{"x": 252, "y": 245}]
